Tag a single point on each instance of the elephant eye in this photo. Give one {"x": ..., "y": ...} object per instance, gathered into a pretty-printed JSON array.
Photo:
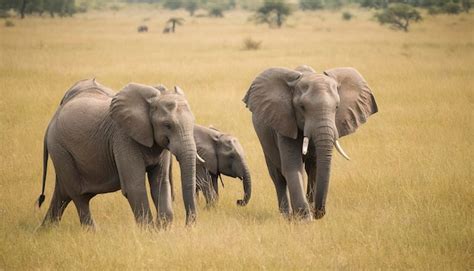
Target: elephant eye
[
  {"x": 302, "y": 108},
  {"x": 167, "y": 125}
]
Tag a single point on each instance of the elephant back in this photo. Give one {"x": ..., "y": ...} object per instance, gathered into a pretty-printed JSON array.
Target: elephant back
[{"x": 86, "y": 85}]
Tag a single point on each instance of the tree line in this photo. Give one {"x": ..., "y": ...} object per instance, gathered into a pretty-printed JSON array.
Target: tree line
[{"x": 265, "y": 8}]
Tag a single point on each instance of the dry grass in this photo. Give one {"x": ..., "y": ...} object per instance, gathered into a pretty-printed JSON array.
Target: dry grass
[{"x": 405, "y": 201}]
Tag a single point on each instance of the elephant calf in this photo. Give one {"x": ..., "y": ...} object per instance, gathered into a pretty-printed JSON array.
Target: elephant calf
[
  {"x": 100, "y": 142},
  {"x": 222, "y": 154}
]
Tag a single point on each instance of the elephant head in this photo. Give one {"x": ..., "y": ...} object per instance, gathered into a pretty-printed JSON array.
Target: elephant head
[
  {"x": 223, "y": 154},
  {"x": 321, "y": 106},
  {"x": 156, "y": 117}
]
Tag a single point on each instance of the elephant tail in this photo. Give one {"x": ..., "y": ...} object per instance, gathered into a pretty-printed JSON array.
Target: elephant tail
[{"x": 41, "y": 198}]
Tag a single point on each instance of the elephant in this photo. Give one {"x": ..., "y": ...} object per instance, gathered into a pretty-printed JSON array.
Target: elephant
[
  {"x": 222, "y": 154},
  {"x": 101, "y": 142},
  {"x": 142, "y": 28},
  {"x": 298, "y": 116}
]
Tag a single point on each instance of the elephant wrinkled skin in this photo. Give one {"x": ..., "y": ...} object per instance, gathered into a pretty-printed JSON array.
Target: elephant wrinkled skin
[
  {"x": 101, "y": 142},
  {"x": 298, "y": 116}
]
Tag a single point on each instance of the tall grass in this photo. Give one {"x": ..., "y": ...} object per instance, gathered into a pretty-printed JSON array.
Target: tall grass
[{"x": 405, "y": 201}]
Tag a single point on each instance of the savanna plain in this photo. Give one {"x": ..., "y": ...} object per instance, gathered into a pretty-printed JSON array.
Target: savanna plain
[{"x": 404, "y": 201}]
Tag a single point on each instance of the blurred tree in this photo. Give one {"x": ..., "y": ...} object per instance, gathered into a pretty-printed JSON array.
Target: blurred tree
[
  {"x": 273, "y": 12},
  {"x": 399, "y": 16},
  {"x": 466, "y": 5},
  {"x": 374, "y": 3},
  {"x": 451, "y": 8},
  {"x": 216, "y": 11},
  {"x": 173, "y": 4},
  {"x": 311, "y": 4},
  {"x": 23, "y": 7},
  {"x": 173, "y": 22},
  {"x": 191, "y": 6}
]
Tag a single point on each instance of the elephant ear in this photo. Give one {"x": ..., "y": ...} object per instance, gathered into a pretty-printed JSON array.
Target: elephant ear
[
  {"x": 357, "y": 102},
  {"x": 130, "y": 109},
  {"x": 270, "y": 97},
  {"x": 206, "y": 140}
]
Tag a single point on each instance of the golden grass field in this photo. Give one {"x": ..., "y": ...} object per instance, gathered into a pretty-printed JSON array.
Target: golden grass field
[{"x": 405, "y": 201}]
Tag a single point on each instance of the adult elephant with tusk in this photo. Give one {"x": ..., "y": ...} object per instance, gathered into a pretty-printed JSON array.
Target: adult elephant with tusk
[
  {"x": 101, "y": 142},
  {"x": 298, "y": 116}
]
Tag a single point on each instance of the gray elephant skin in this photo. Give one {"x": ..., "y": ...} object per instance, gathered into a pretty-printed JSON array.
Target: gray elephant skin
[
  {"x": 101, "y": 142},
  {"x": 298, "y": 115},
  {"x": 222, "y": 154}
]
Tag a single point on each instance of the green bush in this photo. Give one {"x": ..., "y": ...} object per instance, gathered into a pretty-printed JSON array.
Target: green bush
[
  {"x": 347, "y": 16},
  {"x": 452, "y": 8},
  {"x": 9, "y": 23},
  {"x": 173, "y": 4},
  {"x": 311, "y": 4},
  {"x": 4, "y": 13},
  {"x": 216, "y": 11}
]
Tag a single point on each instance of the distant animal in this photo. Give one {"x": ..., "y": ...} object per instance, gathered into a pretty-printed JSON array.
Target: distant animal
[
  {"x": 167, "y": 29},
  {"x": 142, "y": 28},
  {"x": 101, "y": 142},
  {"x": 222, "y": 154},
  {"x": 298, "y": 116}
]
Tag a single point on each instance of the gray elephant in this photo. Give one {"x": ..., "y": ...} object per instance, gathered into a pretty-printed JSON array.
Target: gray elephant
[
  {"x": 101, "y": 142},
  {"x": 222, "y": 154},
  {"x": 298, "y": 116}
]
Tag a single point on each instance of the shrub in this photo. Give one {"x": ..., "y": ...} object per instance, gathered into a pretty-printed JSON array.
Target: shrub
[
  {"x": 172, "y": 4},
  {"x": 347, "y": 16},
  {"x": 250, "y": 44},
  {"x": 83, "y": 7},
  {"x": 9, "y": 23},
  {"x": 4, "y": 14},
  {"x": 311, "y": 4},
  {"x": 216, "y": 11},
  {"x": 452, "y": 8}
]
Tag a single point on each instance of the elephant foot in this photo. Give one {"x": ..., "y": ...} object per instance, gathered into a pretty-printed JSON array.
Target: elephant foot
[
  {"x": 319, "y": 213},
  {"x": 164, "y": 221},
  {"x": 303, "y": 214},
  {"x": 90, "y": 227}
]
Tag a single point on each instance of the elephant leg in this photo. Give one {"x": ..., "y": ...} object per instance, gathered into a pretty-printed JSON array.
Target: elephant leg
[
  {"x": 215, "y": 184},
  {"x": 160, "y": 187},
  {"x": 209, "y": 194},
  {"x": 280, "y": 187},
  {"x": 131, "y": 170},
  {"x": 310, "y": 166},
  {"x": 204, "y": 183},
  {"x": 59, "y": 203},
  {"x": 83, "y": 210},
  {"x": 292, "y": 170}
]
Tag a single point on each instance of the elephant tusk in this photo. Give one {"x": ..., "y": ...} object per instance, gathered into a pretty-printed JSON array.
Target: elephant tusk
[
  {"x": 341, "y": 151},
  {"x": 200, "y": 158},
  {"x": 305, "y": 145}
]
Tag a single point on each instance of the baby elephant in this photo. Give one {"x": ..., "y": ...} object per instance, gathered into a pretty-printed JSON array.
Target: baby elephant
[{"x": 222, "y": 154}]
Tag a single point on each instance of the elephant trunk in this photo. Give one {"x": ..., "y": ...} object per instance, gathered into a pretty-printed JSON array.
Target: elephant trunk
[
  {"x": 324, "y": 139},
  {"x": 187, "y": 164},
  {"x": 247, "y": 184}
]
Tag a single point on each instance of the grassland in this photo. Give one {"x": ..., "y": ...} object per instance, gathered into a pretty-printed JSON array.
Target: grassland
[{"x": 405, "y": 201}]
